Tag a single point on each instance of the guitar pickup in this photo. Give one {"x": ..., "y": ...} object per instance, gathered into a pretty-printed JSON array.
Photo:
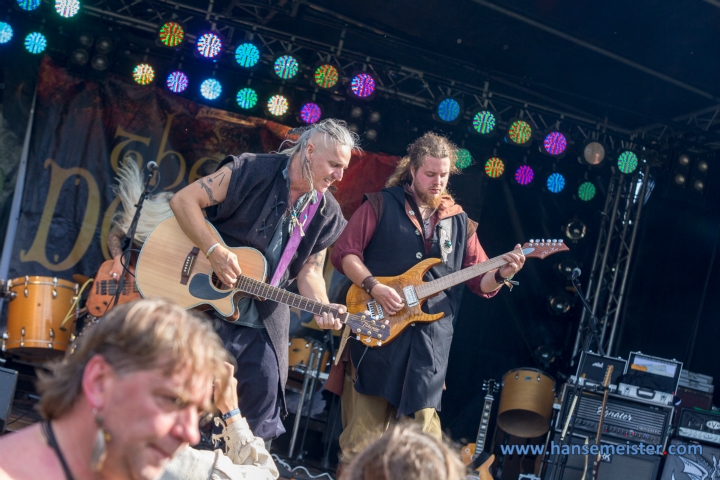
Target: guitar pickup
[{"x": 411, "y": 298}]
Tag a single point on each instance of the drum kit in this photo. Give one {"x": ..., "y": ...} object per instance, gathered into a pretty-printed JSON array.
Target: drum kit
[{"x": 41, "y": 316}]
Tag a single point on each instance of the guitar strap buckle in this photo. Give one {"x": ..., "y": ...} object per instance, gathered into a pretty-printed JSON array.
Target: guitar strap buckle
[{"x": 445, "y": 234}]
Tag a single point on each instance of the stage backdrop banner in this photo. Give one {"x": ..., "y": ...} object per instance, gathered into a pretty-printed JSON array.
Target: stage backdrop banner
[{"x": 82, "y": 131}]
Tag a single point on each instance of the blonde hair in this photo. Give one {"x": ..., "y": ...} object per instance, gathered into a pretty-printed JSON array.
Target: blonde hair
[
  {"x": 429, "y": 145},
  {"x": 141, "y": 335},
  {"x": 405, "y": 452}
]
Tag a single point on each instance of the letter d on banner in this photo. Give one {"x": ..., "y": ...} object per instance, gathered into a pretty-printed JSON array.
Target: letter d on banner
[{"x": 38, "y": 250}]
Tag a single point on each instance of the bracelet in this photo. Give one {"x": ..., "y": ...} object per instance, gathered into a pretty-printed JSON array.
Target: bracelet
[
  {"x": 369, "y": 283},
  {"x": 231, "y": 413},
  {"x": 499, "y": 279},
  {"x": 212, "y": 249}
]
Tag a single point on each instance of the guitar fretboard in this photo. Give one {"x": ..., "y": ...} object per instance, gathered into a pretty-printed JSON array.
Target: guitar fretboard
[
  {"x": 436, "y": 286},
  {"x": 482, "y": 431},
  {"x": 358, "y": 323}
]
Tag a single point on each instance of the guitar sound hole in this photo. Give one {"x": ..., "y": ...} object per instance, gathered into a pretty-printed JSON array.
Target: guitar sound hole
[{"x": 217, "y": 283}]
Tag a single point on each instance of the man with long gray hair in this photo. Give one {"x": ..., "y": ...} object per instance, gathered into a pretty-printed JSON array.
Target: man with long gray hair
[{"x": 261, "y": 201}]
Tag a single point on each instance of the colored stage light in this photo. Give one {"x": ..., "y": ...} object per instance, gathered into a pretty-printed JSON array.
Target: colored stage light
[
  {"x": 555, "y": 183},
  {"x": 67, "y": 8},
  {"x": 484, "y": 122},
  {"x": 286, "y": 67},
  {"x": 278, "y": 105},
  {"x": 520, "y": 132},
  {"x": 310, "y": 113},
  {"x": 6, "y": 32},
  {"x": 627, "y": 162},
  {"x": 172, "y": 34},
  {"x": 247, "y": 55},
  {"x": 177, "y": 82},
  {"x": 35, "y": 42},
  {"x": 448, "y": 110},
  {"x": 326, "y": 76},
  {"x": 593, "y": 152},
  {"x": 524, "y": 175},
  {"x": 362, "y": 85},
  {"x": 555, "y": 143},
  {"x": 209, "y": 45},
  {"x": 247, "y": 98},
  {"x": 586, "y": 191},
  {"x": 494, "y": 167},
  {"x": 463, "y": 159},
  {"x": 28, "y": 5},
  {"x": 210, "y": 89},
  {"x": 143, "y": 74}
]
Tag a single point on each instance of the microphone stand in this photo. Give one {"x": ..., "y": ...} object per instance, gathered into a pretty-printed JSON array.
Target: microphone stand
[
  {"x": 151, "y": 168},
  {"x": 579, "y": 387}
]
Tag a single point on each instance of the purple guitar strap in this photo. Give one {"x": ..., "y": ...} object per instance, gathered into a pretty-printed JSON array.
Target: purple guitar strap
[{"x": 292, "y": 245}]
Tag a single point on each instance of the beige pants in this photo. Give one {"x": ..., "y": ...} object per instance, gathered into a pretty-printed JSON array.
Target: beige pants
[{"x": 366, "y": 418}]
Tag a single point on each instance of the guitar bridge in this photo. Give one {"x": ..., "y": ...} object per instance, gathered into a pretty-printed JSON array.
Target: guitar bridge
[
  {"x": 376, "y": 310},
  {"x": 411, "y": 298},
  {"x": 188, "y": 265}
]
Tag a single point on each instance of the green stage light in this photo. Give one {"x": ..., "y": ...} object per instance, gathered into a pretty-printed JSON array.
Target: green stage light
[
  {"x": 171, "y": 34},
  {"x": 627, "y": 162},
  {"x": 494, "y": 167},
  {"x": 586, "y": 191},
  {"x": 326, "y": 76},
  {"x": 463, "y": 158},
  {"x": 484, "y": 122}
]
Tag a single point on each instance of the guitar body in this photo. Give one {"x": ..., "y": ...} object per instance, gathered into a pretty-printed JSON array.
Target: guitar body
[
  {"x": 102, "y": 292},
  {"x": 483, "y": 470},
  {"x": 358, "y": 301},
  {"x": 170, "y": 266}
]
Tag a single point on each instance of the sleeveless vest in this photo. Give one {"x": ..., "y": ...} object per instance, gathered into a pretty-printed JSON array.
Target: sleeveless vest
[{"x": 410, "y": 371}]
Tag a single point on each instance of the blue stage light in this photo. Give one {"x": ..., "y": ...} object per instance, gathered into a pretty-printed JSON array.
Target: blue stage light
[{"x": 210, "y": 89}]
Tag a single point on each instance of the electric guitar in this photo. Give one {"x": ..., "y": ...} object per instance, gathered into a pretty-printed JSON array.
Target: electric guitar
[
  {"x": 415, "y": 292},
  {"x": 606, "y": 383},
  {"x": 170, "y": 266},
  {"x": 104, "y": 288},
  {"x": 472, "y": 451}
]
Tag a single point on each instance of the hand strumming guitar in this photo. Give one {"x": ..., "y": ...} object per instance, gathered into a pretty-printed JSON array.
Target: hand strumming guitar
[
  {"x": 388, "y": 298},
  {"x": 225, "y": 265}
]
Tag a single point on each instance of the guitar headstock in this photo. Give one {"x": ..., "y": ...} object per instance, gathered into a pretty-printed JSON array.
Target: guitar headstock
[
  {"x": 491, "y": 386},
  {"x": 537, "y": 248},
  {"x": 608, "y": 376}
]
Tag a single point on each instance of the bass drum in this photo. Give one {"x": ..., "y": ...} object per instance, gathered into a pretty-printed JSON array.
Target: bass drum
[
  {"x": 37, "y": 307},
  {"x": 526, "y": 402}
]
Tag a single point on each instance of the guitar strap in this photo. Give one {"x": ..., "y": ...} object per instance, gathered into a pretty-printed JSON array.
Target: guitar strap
[{"x": 308, "y": 213}]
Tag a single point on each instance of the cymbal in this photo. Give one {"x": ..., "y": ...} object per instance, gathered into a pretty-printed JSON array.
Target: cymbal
[{"x": 80, "y": 278}]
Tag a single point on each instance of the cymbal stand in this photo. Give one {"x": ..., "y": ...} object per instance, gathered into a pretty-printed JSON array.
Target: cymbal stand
[
  {"x": 314, "y": 373},
  {"x": 301, "y": 403}
]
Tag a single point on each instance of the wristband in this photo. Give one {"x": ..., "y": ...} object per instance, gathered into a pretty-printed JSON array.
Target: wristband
[
  {"x": 231, "y": 413},
  {"x": 212, "y": 249},
  {"x": 499, "y": 279},
  {"x": 369, "y": 283}
]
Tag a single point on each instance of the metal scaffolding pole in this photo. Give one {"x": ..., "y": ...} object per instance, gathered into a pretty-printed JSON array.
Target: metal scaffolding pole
[{"x": 613, "y": 256}]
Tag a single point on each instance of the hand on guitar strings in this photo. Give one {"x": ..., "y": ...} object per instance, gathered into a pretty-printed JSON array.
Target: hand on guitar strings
[
  {"x": 389, "y": 299},
  {"x": 225, "y": 265},
  {"x": 515, "y": 260},
  {"x": 328, "y": 320}
]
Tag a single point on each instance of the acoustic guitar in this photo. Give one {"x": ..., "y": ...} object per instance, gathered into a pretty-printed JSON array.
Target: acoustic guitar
[
  {"x": 104, "y": 288},
  {"x": 472, "y": 451},
  {"x": 170, "y": 266},
  {"x": 415, "y": 292}
]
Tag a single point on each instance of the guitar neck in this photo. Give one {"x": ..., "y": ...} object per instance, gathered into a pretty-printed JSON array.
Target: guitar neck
[
  {"x": 482, "y": 431},
  {"x": 436, "y": 286}
]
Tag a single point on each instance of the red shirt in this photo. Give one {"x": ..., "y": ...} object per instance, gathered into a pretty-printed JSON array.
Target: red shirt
[{"x": 361, "y": 228}]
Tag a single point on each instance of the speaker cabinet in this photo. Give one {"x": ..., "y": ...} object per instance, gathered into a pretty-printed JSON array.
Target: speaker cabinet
[
  {"x": 8, "y": 380},
  {"x": 637, "y": 467},
  {"x": 691, "y": 461}
]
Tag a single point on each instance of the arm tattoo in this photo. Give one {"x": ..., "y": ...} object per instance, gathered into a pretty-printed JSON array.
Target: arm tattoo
[
  {"x": 209, "y": 193},
  {"x": 318, "y": 259},
  {"x": 115, "y": 241},
  {"x": 220, "y": 175}
]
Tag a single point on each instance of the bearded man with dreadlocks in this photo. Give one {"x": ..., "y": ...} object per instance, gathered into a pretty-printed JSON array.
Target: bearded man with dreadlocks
[
  {"x": 259, "y": 201},
  {"x": 413, "y": 219}
]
